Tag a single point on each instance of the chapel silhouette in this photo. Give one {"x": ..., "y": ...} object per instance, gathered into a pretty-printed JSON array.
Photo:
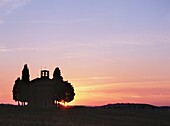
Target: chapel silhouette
[{"x": 42, "y": 92}]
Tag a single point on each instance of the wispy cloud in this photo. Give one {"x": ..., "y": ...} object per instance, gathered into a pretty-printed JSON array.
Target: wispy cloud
[
  {"x": 33, "y": 49},
  {"x": 93, "y": 78},
  {"x": 142, "y": 40},
  {"x": 8, "y": 6},
  {"x": 82, "y": 19},
  {"x": 76, "y": 20},
  {"x": 40, "y": 21},
  {"x": 3, "y": 48},
  {"x": 25, "y": 49}
]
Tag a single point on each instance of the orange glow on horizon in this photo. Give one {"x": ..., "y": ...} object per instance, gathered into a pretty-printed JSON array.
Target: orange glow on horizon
[{"x": 100, "y": 90}]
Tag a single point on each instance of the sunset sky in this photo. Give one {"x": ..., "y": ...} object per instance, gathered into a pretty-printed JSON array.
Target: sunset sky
[{"x": 112, "y": 51}]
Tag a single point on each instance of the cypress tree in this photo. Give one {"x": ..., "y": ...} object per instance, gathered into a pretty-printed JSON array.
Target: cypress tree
[
  {"x": 25, "y": 74},
  {"x": 57, "y": 74}
]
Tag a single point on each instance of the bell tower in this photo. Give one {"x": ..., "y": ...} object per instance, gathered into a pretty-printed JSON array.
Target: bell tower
[{"x": 44, "y": 74}]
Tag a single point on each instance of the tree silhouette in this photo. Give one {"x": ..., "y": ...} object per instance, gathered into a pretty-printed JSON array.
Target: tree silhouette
[
  {"x": 25, "y": 74},
  {"x": 16, "y": 89},
  {"x": 64, "y": 89},
  {"x": 69, "y": 92},
  {"x": 21, "y": 89},
  {"x": 24, "y": 89},
  {"x": 23, "y": 92},
  {"x": 57, "y": 74}
]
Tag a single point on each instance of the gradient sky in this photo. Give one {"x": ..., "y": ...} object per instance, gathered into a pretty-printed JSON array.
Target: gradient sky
[{"x": 110, "y": 50}]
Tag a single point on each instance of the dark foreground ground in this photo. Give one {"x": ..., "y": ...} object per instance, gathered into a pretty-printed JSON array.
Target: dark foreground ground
[{"x": 83, "y": 116}]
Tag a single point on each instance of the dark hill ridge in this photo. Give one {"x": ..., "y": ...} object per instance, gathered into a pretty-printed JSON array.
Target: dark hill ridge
[
  {"x": 107, "y": 115},
  {"x": 135, "y": 106},
  {"x": 130, "y": 105},
  {"x": 116, "y": 106},
  {"x": 126, "y": 106}
]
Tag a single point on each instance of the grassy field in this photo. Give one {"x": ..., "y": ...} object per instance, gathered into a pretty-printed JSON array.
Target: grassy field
[{"x": 82, "y": 116}]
